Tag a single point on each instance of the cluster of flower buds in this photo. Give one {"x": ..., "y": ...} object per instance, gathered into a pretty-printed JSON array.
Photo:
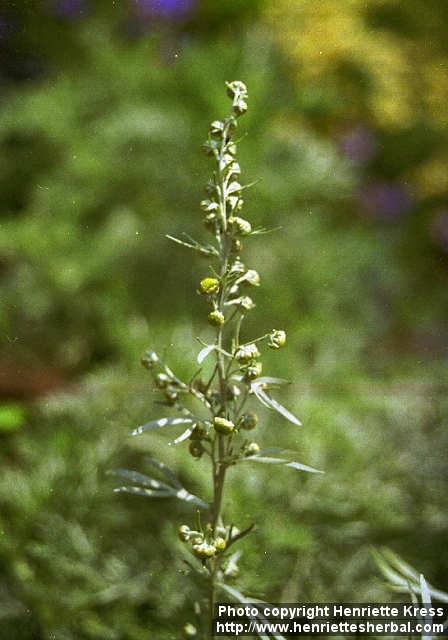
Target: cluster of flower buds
[
  {"x": 204, "y": 545},
  {"x": 247, "y": 356},
  {"x": 164, "y": 379}
]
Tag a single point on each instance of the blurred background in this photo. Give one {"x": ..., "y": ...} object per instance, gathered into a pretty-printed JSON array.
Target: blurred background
[{"x": 103, "y": 108}]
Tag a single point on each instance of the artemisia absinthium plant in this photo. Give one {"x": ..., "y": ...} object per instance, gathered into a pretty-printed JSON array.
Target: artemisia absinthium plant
[{"x": 218, "y": 428}]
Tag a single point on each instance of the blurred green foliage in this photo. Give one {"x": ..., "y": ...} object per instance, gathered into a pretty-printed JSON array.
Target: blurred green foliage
[{"x": 99, "y": 159}]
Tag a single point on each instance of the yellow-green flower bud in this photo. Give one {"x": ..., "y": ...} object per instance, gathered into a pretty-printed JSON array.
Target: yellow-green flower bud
[
  {"x": 251, "y": 277},
  {"x": 220, "y": 544},
  {"x": 216, "y": 127},
  {"x": 149, "y": 359},
  {"x": 237, "y": 245},
  {"x": 254, "y": 370},
  {"x": 277, "y": 339},
  {"x": 171, "y": 394},
  {"x": 196, "y": 537},
  {"x": 236, "y": 88},
  {"x": 190, "y": 630},
  {"x": 222, "y": 425},
  {"x": 231, "y": 148},
  {"x": 209, "y": 147},
  {"x": 208, "y": 286},
  {"x": 204, "y": 550},
  {"x": 216, "y": 318},
  {"x": 184, "y": 533},
  {"x": 162, "y": 380},
  {"x": 239, "y": 107},
  {"x": 247, "y": 353},
  {"x": 209, "y": 206},
  {"x": 239, "y": 225},
  {"x": 252, "y": 449},
  {"x": 248, "y": 421},
  {"x": 196, "y": 449},
  {"x": 198, "y": 433}
]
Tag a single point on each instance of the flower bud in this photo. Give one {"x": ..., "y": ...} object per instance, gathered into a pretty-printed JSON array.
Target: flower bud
[
  {"x": 235, "y": 170},
  {"x": 239, "y": 107},
  {"x": 223, "y": 426},
  {"x": 251, "y": 277},
  {"x": 225, "y": 161},
  {"x": 198, "y": 433},
  {"x": 208, "y": 286},
  {"x": 221, "y": 531},
  {"x": 184, "y": 533},
  {"x": 252, "y": 449},
  {"x": 196, "y": 449},
  {"x": 209, "y": 206},
  {"x": 236, "y": 88},
  {"x": 204, "y": 550},
  {"x": 253, "y": 370},
  {"x": 161, "y": 380},
  {"x": 247, "y": 353},
  {"x": 196, "y": 537},
  {"x": 190, "y": 630},
  {"x": 248, "y": 421},
  {"x": 237, "y": 245},
  {"x": 234, "y": 187},
  {"x": 209, "y": 147},
  {"x": 277, "y": 339},
  {"x": 149, "y": 359},
  {"x": 171, "y": 394},
  {"x": 231, "y": 148},
  {"x": 220, "y": 544},
  {"x": 210, "y": 220},
  {"x": 216, "y": 318},
  {"x": 239, "y": 225},
  {"x": 216, "y": 127}
]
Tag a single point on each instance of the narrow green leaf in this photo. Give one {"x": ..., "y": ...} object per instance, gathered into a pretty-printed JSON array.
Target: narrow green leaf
[
  {"x": 147, "y": 493},
  {"x": 166, "y": 471},
  {"x": 203, "y": 353},
  {"x": 292, "y": 464},
  {"x": 183, "y": 436},
  {"x": 269, "y": 402},
  {"x": 158, "y": 424},
  {"x": 139, "y": 478}
]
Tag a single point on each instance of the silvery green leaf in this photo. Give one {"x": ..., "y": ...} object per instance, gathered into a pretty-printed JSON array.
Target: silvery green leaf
[
  {"x": 273, "y": 404},
  {"x": 287, "y": 463},
  {"x": 183, "y": 436},
  {"x": 203, "y": 353},
  {"x": 169, "y": 492},
  {"x": 183, "y": 494},
  {"x": 206, "y": 250},
  {"x": 139, "y": 478},
  {"x": 147, "y": 493},
  {"x": 267, "y": 380},
  {"x": 166, "y": 471},
  {"x": 158, "y": 424}
]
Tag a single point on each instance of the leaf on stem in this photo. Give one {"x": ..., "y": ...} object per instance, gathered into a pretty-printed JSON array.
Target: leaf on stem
[
  {"x": 292, "y": 464},
  {"x": 257, "y": 388},
  {"x": 206, "y": 250},
  {"x": 203, "y": 353},
  {"x": 151, "y": 488},
  {"x": 162, "y": 422}
]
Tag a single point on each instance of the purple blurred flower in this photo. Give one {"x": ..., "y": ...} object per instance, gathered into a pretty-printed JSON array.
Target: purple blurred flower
[
  {"x": 386, "y": 201},
  {"x": 168, "y": 9},
  {"x": 69, "y": 9},
  {"x": 358, "y": 145},
  {"x": 439, "y": 229}
]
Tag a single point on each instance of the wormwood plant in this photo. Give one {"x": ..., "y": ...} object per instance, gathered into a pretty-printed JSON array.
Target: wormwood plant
[{"x": 213, "y": 406}]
